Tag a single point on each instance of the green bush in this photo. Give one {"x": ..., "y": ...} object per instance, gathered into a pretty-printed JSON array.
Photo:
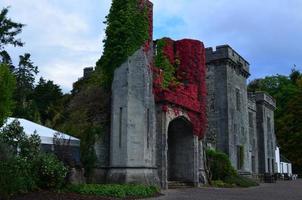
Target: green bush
[
  {"x": 222, "y": 173},
  {"x": 50, "y": 173},
  {"x": 219, "y": 165},
  {"x": 16, "y": 177},
  {"x": 118, "y": 191}
]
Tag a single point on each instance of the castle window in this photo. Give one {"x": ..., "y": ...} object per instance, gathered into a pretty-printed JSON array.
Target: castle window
[
  {"x": 269, "y": 128},
  {"x": 238, "y": 102},
  {"x": 148, "y": 128},
  {"x": 120, "y": 126},
  {"x": 240, "y": 157},
  {"x": 251, "y": 120}
]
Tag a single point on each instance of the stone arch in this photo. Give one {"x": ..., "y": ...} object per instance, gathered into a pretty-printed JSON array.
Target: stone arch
[{"x": 180, "y": 155}]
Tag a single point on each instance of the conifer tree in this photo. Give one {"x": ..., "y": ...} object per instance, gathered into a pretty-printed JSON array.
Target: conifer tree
[{"x": 7, "y": 86}]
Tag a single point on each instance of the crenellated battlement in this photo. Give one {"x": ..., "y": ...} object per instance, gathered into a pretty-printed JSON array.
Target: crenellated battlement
[
  {"x": 227, "y": 53},
  {"x": 266, "y": 99}
]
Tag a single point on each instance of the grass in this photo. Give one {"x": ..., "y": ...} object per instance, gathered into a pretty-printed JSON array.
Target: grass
[{"x": 117, "y": 191}]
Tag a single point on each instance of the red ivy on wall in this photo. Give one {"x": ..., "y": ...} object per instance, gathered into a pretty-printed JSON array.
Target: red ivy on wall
[{"x": 188, "y": 56}]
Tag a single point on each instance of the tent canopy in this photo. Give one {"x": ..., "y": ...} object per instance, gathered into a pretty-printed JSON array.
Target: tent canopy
[{"x": 46, "y": 134}]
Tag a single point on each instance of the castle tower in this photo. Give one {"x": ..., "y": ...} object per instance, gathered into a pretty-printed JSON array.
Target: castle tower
[
  {"x": 227, "y": 102},
  {"x": 133, "y": 128},
  {"x": 266, "y": 106}
]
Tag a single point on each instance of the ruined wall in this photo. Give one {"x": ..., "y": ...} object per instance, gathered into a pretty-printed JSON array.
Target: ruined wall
[{"x": 228, "y": 104}]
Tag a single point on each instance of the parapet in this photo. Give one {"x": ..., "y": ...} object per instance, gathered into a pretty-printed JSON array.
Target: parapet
[
  {"x": 225, "y": 52},
  {"x": 263, "y": 97}
]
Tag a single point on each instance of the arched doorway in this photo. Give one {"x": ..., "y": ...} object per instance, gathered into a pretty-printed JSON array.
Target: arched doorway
[{"x": 180, "y": 151}]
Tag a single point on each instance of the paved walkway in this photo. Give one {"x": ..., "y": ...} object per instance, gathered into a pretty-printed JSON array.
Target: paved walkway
[{"x": 283, "y": 190}]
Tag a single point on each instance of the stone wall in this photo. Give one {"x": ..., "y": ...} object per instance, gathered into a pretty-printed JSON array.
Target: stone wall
[
  {"x": 252, "y": 113},
  {"x": 266, "y": 132},
  {"x": 190, "y": 162},
  {"x": 132, "y": 146},
  {"x": 228, "y": 104}
]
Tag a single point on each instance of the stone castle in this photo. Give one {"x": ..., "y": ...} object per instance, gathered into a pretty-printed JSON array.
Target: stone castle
[{"x": 158, "y": 134}]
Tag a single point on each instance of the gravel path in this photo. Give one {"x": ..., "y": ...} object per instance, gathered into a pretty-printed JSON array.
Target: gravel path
[{"x": 283, "y": 190}]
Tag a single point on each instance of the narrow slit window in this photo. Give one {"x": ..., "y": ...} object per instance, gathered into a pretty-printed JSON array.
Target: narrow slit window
[
  {"x": 148, "y": 128},
  {"x": 120, "y": 127}
]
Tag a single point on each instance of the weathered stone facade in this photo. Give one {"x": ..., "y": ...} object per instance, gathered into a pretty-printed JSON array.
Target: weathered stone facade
[
  {"x": 253, "y": 146},
  {"x": 227, "y": 74},
  {"x": 157, "y": 133},
  {"x": 239, "y": 123},
  {"x": 266, "y": 132}
]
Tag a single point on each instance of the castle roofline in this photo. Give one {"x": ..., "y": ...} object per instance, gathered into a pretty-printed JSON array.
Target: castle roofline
[
  {"x": 226, "y": 52},
  {"x": 263, "y": 97}
]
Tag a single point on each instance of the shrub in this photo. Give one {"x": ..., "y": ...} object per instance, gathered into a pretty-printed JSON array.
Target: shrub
[
  {"x": 223, "y": 174},
  {"x": 16, "y": 177},
  {"x": 14, "y": 137},
  {"x": 219, "y": 165},
  {"x": 118, "y": 191},
  {"x": 49, "y": 171}
]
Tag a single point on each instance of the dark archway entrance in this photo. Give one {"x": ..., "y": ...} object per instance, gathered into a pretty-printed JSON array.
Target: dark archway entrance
[{"x": 180, "y": 151}]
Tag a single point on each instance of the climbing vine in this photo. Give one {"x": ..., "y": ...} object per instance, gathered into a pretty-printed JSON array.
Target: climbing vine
[
  {"x": 127, "y": 30},
  {"x": 162, "y": 62},
  {"x": 179, "y": 79}
]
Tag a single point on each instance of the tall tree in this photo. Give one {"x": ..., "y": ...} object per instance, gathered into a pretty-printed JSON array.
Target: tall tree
[
  {"x": 47, "y": 97},
  {"x": 25, "y": 77},
  {"x": 8, "y": 32},
  {"x": 7, "y": 86}
]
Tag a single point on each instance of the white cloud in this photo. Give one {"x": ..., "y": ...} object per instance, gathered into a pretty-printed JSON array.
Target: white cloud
[
  {"x": 62, "y": 36},
  {"x": 266, "y": 33},
  {"x": 66, "y": 36}
]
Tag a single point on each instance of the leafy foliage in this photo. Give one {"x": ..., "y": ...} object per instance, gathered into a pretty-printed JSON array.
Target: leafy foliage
[
  {"x": 162, "y": 62},
  {"x": 14, "y": 136},
  {"x": 50, "y": 172},
  {"x": 119, "y": 191},
  {"x": 219, "y": 165},
  {"x": 25, "y": 77},
  {"x": 222, "y": 173},
  {"x": 16, "y": 177},
  {"x": 287, "y": 90},
  {"x": 7, "y": 86},
  {"x": 48, "y": 99},
  {"x": 8, "y": 32},
  {"x": 23, "y": 168},
  {"x": 88, "y": 118},
  {"x": 127, "y": 30}
]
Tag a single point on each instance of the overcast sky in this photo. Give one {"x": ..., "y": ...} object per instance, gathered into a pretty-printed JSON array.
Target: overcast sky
[{"x": 64, "y": 36}]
